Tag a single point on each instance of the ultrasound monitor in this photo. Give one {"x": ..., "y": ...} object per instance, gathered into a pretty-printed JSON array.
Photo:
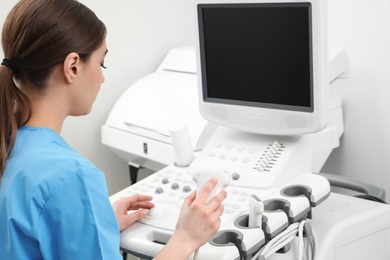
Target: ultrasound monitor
[{"x": 262, "y": 65}]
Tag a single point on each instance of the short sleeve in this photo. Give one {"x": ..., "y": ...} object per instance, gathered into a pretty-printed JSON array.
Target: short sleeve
[{"x": 77, "y": 221}]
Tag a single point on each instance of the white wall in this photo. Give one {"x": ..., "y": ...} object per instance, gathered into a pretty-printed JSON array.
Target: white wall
[
  {"x": 362, "y": 27},
  {"x": 141, "y": 31}
]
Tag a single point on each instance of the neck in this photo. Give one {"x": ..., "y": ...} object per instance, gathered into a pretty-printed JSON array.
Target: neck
[
  {"x": 46, "y": 121},
  {"x": 49, "y": 110}
]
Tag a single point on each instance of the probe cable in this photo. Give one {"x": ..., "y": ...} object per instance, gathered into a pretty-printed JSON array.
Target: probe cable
[
  {"x": 281, "y": 240},
  {"x": 195, "y": 257},
  {"x": 285, "y": 237}
]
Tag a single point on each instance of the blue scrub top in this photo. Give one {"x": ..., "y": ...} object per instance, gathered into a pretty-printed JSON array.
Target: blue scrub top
[{"x": 54, "y": 203}]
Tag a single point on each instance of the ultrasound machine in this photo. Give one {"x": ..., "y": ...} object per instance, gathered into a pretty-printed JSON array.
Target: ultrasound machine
[{"x": 250, "y": 104}]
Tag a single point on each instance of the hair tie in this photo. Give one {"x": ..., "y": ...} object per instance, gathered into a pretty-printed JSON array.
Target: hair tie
[{"x": 11, "y": 66}]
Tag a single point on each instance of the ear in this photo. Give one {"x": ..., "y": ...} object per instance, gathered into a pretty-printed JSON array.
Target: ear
[{"x": 71, "y": 67}]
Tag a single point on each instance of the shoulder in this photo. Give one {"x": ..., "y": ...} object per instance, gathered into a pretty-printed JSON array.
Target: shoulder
[
  {"x": 43, "y": 163},
  {"x": 43, "y": 150}
]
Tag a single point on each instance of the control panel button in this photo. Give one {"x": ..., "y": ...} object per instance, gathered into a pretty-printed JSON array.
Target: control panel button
[
  {"x": 235, "y": 176},
  {"x": 186, "y": 189},
  {"x": 175, "y": 186},
  {"x": 159, "y": 190}
]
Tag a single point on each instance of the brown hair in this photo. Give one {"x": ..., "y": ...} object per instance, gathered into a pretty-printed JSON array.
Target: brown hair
[{"x": 37, "y": 36}]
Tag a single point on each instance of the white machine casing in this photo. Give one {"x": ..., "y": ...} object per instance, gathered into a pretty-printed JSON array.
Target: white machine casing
[
  {"x": 276, "y": 169},
  {"x": 342, "y": 223},
  {"x": 288, "y": 203}
]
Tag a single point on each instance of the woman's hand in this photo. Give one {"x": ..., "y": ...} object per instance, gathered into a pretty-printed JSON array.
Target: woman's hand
[
  {"x": 197, "y": 223},
  {"x": 140, "y": 203}
]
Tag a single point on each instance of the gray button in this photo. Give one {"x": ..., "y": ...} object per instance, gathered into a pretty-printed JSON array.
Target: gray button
[
  {"x": 175, "y": 186},
  {"x": 159, "y": 190},
  {"x": 186, "y": 189},
  {"x": 235, "y": 176},
  {"x": 165, "y": 181}
]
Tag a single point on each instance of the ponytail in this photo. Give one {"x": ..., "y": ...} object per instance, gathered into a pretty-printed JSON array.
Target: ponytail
[{"x": 15, "y": 112}]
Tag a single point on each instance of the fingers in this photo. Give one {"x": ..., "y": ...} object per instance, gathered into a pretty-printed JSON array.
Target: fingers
[
  {"x": 137, "y": 215},
  {"x": 204, "y": 193},
  {"x": 213, "y": 209},
  {"x": 137, "y": 198},
  {"x": 216, "y": 215},
  {"x": 189, "y": 199},
  {"x": 141, "y": 205},
  {"x": 128, "y": 219},
  {"x": 135, "y": 202},
  {"x": 217, "y": 200}
]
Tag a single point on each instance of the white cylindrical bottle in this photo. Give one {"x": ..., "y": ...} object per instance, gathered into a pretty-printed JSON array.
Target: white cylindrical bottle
[{"x": 181, "y": 144}]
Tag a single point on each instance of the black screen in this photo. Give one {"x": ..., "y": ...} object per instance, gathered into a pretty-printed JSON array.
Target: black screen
[{"x": 257, "y": 54}]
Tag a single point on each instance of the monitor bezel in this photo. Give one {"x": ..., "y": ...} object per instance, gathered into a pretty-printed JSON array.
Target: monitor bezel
[{"x": 257, "y": 118}]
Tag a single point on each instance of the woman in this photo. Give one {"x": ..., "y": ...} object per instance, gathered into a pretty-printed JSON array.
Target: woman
[{"x": 54, "y": 202}]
